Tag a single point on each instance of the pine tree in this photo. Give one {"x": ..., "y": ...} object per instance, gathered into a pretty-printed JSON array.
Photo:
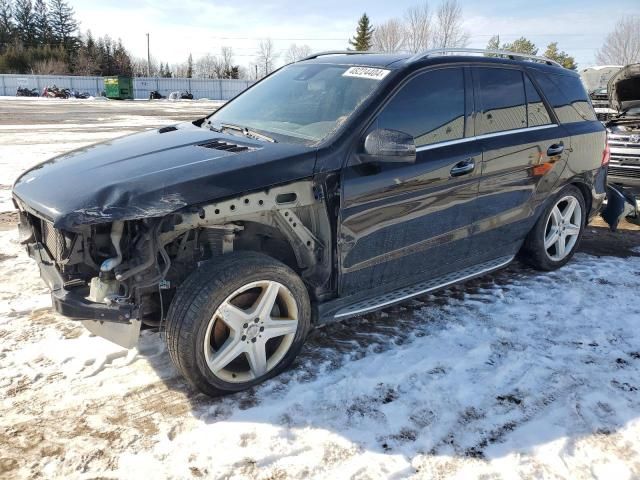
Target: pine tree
[
  {"x": 561, "y": 57},
  {"x": 25, "y": 24},
  {"x": 364, "y": 33},
  {"x": 63, "y": 24},
  {"x": 7, "y": 27},
  {"x": 521, "y": 45},
  {"x": 41, "y": 21},
  {"x": 161, "y": 73},
  {"x": 494, "y": 43},
  {"x": 190, "y": 66}
]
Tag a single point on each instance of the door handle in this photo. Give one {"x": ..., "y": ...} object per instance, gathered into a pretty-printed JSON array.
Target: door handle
[
  {"x": 555, "y": 149},
  {"x": 463, "y": 167}
]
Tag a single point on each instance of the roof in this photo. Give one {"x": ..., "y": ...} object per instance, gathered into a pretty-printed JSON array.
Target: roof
[
  {"x": 386, "y": 60},
  {"x": 397, "y": 61}
]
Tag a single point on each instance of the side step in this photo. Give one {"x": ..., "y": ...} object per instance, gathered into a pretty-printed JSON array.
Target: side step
[{"x": 375, "y": 303}]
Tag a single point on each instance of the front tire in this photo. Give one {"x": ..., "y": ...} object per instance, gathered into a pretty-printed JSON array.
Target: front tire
[
  {"x": 237, "y": 322},
  {"x": 557, "y": 233}
]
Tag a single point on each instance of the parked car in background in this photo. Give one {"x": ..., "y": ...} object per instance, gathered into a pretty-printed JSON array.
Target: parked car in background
[
  {"x": 595, "y": 80},
  {"x": 338, "y": 185},
  {"x": 624, "y": 128}
]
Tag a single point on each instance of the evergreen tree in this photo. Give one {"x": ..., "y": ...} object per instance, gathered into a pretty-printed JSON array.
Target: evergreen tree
[
  {"x": 121, "y": 60},
  {"x": 364, "y": 33},
  {"x": 561, "y": 57},
  {"x": 41, "y": 21},
  {"x": 190, "y": 66},
  {"x": 7, "y": 27},
  {"x": 63, "y": 24},
  {"x": 494, "y": 43},
  {"x": 521, "y": 45},
  {"x": 161, "y": 74},
  {"x": 25, "y": 24},
  {"x": 232, "y": 72}
]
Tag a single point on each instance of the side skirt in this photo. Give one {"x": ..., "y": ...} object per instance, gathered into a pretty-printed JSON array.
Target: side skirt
[{"x": 396, "y": 296}]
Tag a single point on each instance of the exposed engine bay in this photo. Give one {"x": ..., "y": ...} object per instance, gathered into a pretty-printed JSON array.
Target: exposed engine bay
[{"x": 137, "y": 265}]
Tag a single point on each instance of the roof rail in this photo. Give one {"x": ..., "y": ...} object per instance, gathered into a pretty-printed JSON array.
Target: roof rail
[
  {"x": 493, "y": 53},
  {"x": 334, "y": 52}
]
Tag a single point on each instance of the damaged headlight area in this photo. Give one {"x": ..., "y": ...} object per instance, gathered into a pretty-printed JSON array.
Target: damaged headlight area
[{"x": 123, "y": 271}]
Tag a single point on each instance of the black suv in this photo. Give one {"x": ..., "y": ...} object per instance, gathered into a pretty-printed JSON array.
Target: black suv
[{"x": 336, "y": 186}]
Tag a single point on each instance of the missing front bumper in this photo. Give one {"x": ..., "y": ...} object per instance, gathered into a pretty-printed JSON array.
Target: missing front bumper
[{"x": 117, "y": 323}]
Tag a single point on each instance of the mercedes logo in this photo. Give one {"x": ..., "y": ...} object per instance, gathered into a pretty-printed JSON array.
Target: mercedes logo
[{"x": 635, "y": 138}]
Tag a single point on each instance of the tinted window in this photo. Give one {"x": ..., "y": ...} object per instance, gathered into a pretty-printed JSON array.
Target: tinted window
[
  {"x": 567, "y": 97},
  {"x": 501, "y": 100},
  {"x": 430, "y": 107},
  {"x": 536, "y": 111}
]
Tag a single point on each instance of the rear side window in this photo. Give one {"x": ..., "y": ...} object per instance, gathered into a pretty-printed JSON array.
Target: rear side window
[
  {"x": 501, "y": 100},
  {"x": 430, "y": 107},
  {"x": 567, "y": 96},
  {"x": 537, "y": 113}
]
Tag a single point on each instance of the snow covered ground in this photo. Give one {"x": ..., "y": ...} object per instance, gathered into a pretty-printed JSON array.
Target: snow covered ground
[{"x": 518, "y": 374}]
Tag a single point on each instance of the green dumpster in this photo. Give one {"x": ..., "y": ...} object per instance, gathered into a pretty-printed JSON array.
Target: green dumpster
[{"x": 119, "y": 87}]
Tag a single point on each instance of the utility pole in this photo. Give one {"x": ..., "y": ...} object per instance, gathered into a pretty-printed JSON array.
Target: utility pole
[
  {"x": 256, "y": 71},
  {"x": 148, "y": 58}
]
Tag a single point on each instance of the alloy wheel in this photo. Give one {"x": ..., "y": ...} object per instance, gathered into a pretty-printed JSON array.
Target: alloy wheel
[
  {"x": 563, "y": 228},
  {"x": 251, "y": 331}
]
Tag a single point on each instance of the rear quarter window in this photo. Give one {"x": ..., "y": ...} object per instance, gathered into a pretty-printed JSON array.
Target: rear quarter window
[{"x": 567, "y": 96}]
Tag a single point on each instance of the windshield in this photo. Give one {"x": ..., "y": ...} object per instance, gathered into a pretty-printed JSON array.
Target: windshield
[
  {"x": 300, "y": 103},
  {"x": 633, "y": 112}
]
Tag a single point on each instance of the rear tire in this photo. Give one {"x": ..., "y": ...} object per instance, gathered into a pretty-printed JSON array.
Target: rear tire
[
  {"x": 557, "y": 233},
  {"x": 237, "y": 322}
]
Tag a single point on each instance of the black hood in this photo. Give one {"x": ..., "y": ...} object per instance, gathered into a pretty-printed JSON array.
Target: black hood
[
  {"x": 624, "y": 88},
  {"x": 154, "y": 173}
]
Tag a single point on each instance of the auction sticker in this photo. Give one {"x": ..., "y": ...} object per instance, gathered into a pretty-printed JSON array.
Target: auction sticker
[{"x": 366, "y": 72}]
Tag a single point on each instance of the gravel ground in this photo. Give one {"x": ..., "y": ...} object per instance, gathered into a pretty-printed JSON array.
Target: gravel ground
[{"x": 517, "y": 374}]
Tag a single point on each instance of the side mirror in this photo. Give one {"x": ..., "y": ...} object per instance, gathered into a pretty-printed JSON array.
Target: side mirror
[{"x": 385, "y": 145}]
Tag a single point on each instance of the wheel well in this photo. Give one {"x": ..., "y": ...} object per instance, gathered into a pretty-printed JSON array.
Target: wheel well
[
  {"x": 586, "y": 194},
  {"x": 261, "y": 238}
]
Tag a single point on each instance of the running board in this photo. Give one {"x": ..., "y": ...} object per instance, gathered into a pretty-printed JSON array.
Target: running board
[{"x": 402, "y": 294}]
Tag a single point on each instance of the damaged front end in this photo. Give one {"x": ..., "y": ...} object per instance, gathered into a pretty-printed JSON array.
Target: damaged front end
[
  {"x": 120, "y": 277},
  {"x": 623, "y": 129},
  {"x": 99, "y": 274}
]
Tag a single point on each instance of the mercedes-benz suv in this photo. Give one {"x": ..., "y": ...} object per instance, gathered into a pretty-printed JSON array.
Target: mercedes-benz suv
[{"x": 336, "y": 186}]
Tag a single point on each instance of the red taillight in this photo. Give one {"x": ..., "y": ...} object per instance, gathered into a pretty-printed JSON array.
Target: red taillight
[{"x": 606, "y": 153}]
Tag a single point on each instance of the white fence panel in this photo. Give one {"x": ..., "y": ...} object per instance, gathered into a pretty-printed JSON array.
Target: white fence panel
[{"x": 142, "y": 86}]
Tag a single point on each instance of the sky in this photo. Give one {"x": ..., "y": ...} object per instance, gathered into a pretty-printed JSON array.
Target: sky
[{"x": 203, "y": 26}]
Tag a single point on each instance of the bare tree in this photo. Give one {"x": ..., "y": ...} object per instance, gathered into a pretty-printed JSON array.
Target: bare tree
[
  {"x": 417, "y": 28},
  {"x": 449, "y": 32},
  {"x": 207, "y": 66},
  {"x": 388, "y": 36},
  {"x": 266, "y": 57},
  {"x": 296, "y": 52},
  {"x": 622, "y": 46},
  {"x": 226, "y": 58}
]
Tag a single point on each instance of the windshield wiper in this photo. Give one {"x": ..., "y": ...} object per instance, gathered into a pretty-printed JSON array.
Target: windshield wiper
[{"x": 247, "y": 132}]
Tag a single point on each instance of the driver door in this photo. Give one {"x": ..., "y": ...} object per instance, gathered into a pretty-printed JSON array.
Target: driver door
[{"x": 409, "y": 221}]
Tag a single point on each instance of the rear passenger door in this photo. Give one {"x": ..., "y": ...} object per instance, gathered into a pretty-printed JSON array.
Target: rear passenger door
[
  {"x": 402, "y": 222},
  {"x": 523, "y": 153}
]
